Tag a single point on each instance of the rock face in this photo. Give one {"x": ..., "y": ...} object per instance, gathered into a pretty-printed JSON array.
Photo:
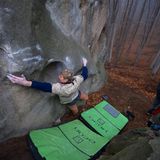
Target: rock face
[
  {"x": 137, "y": 144},
  {"x": 40, "y": 38}
]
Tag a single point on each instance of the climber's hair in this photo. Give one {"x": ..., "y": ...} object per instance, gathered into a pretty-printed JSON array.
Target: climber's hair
[{"x": 67, "y": 74}]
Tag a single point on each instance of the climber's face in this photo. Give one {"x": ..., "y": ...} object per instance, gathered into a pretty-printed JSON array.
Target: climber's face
[{"x": 62, "y": 79}]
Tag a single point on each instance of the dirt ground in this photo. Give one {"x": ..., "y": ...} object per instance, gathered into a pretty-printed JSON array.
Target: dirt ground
[{"x": 126, "y": 86}]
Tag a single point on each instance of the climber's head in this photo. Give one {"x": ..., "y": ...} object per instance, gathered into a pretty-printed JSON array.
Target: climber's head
[{"x": 66, "y": 76}]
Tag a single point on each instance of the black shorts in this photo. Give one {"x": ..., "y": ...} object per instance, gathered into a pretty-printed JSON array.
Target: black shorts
[{"x": 75, "y": 100}]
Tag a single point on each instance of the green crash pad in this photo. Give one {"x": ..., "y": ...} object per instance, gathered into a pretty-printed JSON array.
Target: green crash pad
[
  {"x": 53, "y": 145},
  {"x": 111, "y": 114},
  {"x": 83, "y": 138},
  {"x": 75, "y": 141},
  {"x": 100, "y": 123}
]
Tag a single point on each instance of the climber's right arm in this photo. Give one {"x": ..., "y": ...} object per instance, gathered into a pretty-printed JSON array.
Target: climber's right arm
[{"x": 43, "y": 86}]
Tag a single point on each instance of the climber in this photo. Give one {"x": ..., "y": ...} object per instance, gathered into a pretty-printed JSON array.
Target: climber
[
  {"x": 67, "y": 88},
  {"x": 156, "y": 102}
]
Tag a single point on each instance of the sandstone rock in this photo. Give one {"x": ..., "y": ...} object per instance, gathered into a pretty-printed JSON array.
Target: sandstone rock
[
  {"x": 39, "y": 39},
  {"x": 139, "y": 150},
  {"x": 136, "y": 144},
  {"x": 155, "y": 143}
]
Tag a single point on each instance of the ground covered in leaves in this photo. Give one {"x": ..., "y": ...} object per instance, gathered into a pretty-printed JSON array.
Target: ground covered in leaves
[{"x": 126, "y": 86}]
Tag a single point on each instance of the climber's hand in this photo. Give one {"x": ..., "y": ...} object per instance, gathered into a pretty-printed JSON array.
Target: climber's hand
[
  {"x": 84, "y": 60},
  {"x": 19, "y": 80}
]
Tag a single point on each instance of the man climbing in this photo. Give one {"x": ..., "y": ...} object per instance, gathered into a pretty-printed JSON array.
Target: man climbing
[{"x": 67, "y": 88}]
